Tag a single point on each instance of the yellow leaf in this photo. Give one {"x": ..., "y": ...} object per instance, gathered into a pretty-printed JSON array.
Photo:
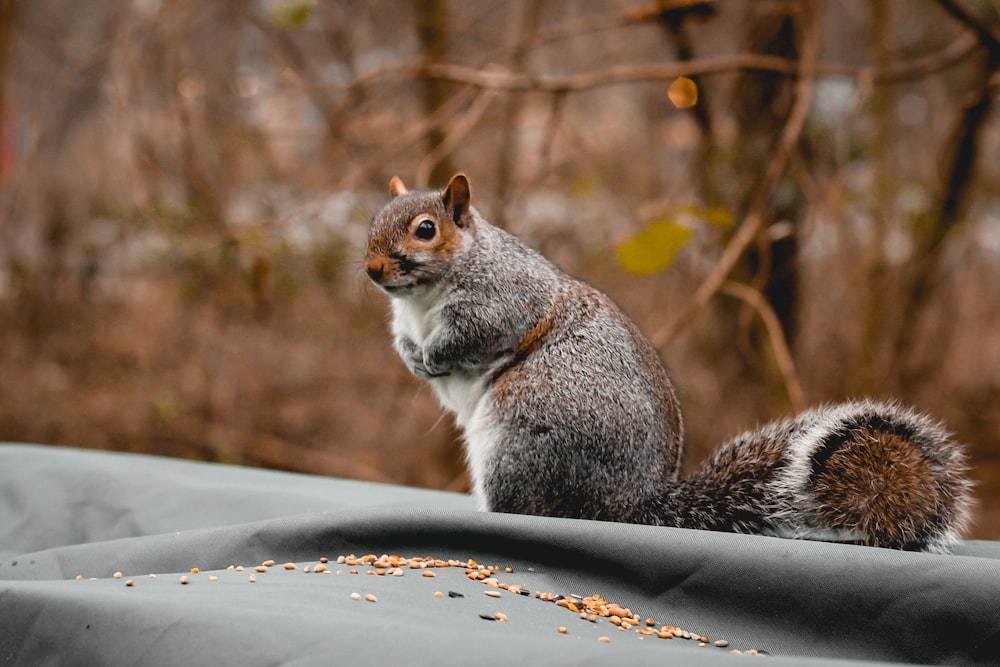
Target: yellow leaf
[
  {"x": 292, "y": 13},
  {"x": 654, "y": 248}
]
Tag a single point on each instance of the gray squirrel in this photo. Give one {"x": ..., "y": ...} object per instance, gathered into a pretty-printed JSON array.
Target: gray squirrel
[{"x": 568, "y": 411}]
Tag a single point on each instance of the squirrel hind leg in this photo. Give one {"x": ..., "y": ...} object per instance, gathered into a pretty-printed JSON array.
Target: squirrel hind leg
[{"x": 892, "y": 479}]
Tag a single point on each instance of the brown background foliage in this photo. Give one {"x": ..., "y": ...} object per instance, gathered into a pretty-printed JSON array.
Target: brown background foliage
[{"x": 185, "y": 189}]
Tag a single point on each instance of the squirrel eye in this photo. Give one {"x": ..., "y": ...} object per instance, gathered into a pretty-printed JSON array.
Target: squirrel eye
[{"x": 426, "y": 229}]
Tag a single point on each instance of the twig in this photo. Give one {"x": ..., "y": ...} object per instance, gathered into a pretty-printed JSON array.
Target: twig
[
  {"x": 456, "y": 132},
  {"x": 754, "y": 219},
  {"x": 782, "y": 353},
  {"x": 987, "y": 34},
  {"x": 500, "y": 79}
]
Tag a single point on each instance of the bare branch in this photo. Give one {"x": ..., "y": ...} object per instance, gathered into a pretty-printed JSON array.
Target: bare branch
[
  {"x": 501, "y": 79},
  {"x": 987, "y": 34},
  {"x": 782, "y": 353}
]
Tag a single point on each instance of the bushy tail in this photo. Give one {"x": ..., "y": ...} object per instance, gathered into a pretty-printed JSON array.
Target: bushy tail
[{"x": 865, "y": 472}]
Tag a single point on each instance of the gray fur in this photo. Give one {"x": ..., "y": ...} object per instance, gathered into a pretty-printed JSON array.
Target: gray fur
[{"x": 568, "y": 411}]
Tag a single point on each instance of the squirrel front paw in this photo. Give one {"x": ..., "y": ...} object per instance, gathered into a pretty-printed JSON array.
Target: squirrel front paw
[{"x": 414, "y": 358}]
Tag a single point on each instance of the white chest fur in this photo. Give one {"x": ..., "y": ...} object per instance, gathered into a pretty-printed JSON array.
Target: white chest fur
[{"x": 464, "y": 393}]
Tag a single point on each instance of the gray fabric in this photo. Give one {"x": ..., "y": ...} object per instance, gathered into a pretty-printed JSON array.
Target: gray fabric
[{"x": 67, "y": 512}]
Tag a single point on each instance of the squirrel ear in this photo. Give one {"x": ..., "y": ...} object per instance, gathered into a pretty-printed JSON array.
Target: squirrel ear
[
  {"x": 396, "y": 187},
  {"x": 456, "y": 198}
]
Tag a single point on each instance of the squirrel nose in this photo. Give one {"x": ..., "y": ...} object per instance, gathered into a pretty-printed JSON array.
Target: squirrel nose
[{"x": 375, "y": 269}]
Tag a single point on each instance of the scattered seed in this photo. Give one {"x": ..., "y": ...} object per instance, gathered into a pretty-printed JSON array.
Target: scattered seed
[
  {"x": 195, "y": 570},
  {"x": 212, "y": 577},
  {"x": 371, "y": 598},
  {"x": 606, "y": 640},
  {"x": 152, "y": 576},
  {"x": 562, "y": 630},
  {"x": 438, "y": 594},
  {"x": 721, "y": 643},
  {"x": 352, "y": 572},
  {"x": 500, "y": 616},
  {"x": 324, "y": 559},
  {"x": 184, "y": 579},
  {"x": 355, "y": 596},
  {"x": 130, "y": 583},
  {"x": 425, "y": 573},
  {"x": 79, "y": 577},
  {"x": 117, "y": 575},
  {"x": 252, "y": 578},
  {"x": 239, "y": 568},
  {"x": 493, "y": 594},
  {"x": 289, "y": 566},
  {"x": 261, "y": 568},
  {"x": 268, "y": 563}
]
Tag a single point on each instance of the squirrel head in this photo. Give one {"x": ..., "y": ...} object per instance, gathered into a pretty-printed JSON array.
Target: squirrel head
[{"x": 413, "y": 239}]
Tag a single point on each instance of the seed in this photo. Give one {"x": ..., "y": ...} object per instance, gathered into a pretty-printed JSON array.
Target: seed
[
  {"x": 562, "y": 630},
  {"x": 500, "y": 616},
  {"x": 289, "y": 566},
  {"x": 261, "y": 568},
  {"x": 130, "y": 583},
  {"x": 508, "y": 570},
  {"x": 398, "y": 572},
  {"x": 252, "y": 578},
  {"x": 606, "y": 640},
  {"x": 307, "y": 568},
  {"x": 239, "y": 568},
  {"x": 79, "y": 577},
  {"x": 425, "y": 573},
  {"x": 721, "y": 643},
  {"x": 493, "y": 594},
  {"x": 184, "y": 579},
  {"x": 650, "y": 622},
  {"x": 454, "y": 594},
  {"x": 212, "y": 577},
  {"x": 152, "y": 576},
  {"x": 268, "y": 563},
  {"x": 195, "y": 570},
  {"x": 320, "y": 568},
  {"x": 703, "y": 639},
  {"x": 355, "y": 596},
  {"x": 352, "y": 572},
  {"x": 324, "y": 559},
  {"x": 371, "y": 598},
  {"x": 117, "y": 575},
  {"x": 438, "y": 594}
]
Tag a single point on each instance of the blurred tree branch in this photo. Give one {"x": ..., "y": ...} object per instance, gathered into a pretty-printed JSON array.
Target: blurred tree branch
[
  {"x": 755, "y": 217},
  {"x": 500, "y": 79}
]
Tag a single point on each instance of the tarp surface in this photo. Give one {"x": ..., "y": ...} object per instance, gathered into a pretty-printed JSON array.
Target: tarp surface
[{"x": 68, "y": 513}]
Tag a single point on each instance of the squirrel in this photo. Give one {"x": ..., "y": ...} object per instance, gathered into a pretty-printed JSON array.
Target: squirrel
[{"x": 568, "y": 411}]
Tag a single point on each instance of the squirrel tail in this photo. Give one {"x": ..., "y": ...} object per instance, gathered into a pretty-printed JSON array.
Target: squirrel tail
[{"x": 865, "y": 472}]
